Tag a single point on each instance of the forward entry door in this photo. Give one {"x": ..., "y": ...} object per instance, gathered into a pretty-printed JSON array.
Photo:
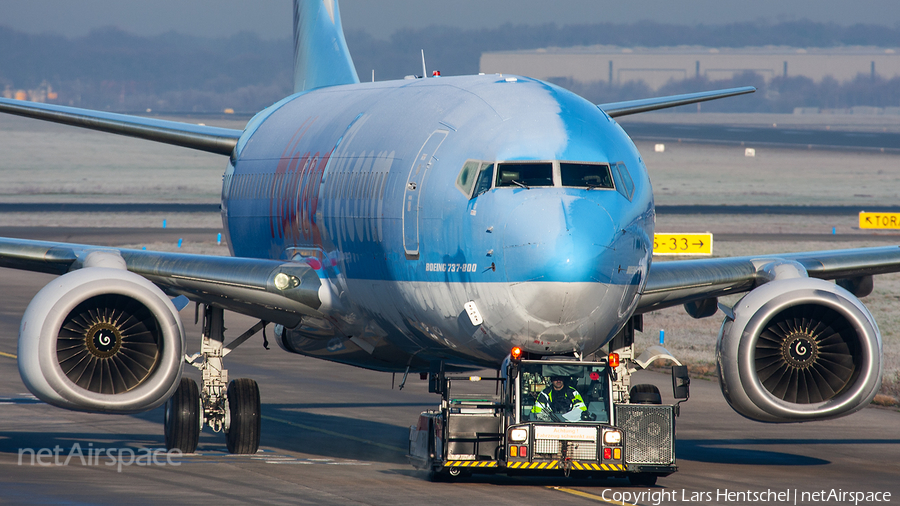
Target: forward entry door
[{"x": 415, "y": 184}]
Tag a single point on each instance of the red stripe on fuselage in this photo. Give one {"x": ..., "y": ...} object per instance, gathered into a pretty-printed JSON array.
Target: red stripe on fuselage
[
  {"x": 294, "y": 192},
  {"x": 289, "y": 158}
]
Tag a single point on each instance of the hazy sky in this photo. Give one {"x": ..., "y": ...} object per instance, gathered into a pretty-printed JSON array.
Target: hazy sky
[{"x": 272, "y": 18}]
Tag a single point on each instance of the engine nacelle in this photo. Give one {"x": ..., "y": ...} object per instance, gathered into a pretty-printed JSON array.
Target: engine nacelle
[
  {"x": 798, "y": 350},
  {"x": 102, "y": 340}
]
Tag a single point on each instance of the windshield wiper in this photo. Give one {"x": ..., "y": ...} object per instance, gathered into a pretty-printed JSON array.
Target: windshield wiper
[{"x": 519, "y": 183}]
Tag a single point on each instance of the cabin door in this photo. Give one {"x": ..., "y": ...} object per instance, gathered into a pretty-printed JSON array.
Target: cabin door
[{"x": 415, "y": 184}]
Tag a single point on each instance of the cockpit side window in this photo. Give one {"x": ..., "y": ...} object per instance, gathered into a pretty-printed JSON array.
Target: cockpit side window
[
  {"x": 585, "y": 175},
  {"x": 624, "y": 183},
  {"x": 525, "y": 174},
  {"x": 466, "y": 177},
  {"x": 485, "y": 178}
]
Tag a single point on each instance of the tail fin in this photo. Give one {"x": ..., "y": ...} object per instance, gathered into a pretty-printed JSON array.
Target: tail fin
[{"x": 321, "y": 57}]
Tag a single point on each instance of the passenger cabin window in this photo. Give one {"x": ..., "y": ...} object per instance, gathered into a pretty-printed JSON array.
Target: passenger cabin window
[
  {"x": 585, "y": 175},
  {"x": 525, "y": 175},
  {"x": 624, "y": 183}
]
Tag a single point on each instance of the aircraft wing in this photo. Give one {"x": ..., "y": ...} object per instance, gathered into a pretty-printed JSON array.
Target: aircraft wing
[
  {"x": 679, "y": 282},
  {"x": 204, "y": 138},
  {"x": 616, "y": 109},
  {"x": 270, "y": 290}
]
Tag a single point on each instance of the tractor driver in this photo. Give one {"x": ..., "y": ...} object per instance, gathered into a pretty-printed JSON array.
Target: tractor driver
[{"x": 559, "y": 402}]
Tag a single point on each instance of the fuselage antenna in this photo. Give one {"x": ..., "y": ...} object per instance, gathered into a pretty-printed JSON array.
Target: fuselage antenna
[
  {"x": 424, "y": 72},
  {"x": 373, "y": 75}
]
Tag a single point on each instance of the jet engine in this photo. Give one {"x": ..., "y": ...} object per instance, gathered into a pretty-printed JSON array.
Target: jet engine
[
  {"x": 102, "y": 340},
  {"x": 796, "y": 350}
]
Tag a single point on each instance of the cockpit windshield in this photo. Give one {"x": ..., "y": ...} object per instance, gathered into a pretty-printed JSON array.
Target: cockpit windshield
[
  {"x": 525, "y": 174},
  {"x": 591, "y": 175},
  {"x": 574, "y": 392},
  {"x": 479, "y": 177}
]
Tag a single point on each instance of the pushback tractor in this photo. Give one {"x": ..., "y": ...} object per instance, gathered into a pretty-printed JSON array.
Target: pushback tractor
[{"x": 509, "y": 424}]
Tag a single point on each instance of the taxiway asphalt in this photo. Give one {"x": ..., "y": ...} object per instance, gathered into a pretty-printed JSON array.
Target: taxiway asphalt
[
  {"x": 763, "y": 136},
  {"x": 335, "y": 434},
  {"x": 664, "y": 209},
  {"x": 110, "y": 236}
]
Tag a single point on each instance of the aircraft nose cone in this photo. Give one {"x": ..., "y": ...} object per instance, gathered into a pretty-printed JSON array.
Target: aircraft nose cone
[{"x": 558, "y": 256}]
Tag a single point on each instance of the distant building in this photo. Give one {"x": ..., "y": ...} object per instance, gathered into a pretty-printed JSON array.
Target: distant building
[
  {"x": 656, "y": 66},
  {"x": 42, "y": 93}
]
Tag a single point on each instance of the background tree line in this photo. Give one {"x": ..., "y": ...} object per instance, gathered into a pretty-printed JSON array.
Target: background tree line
[{"x": 111, "y": 69}]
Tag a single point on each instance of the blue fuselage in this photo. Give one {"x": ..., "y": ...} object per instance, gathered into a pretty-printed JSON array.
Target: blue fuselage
[{"x": 365, "y": 183}]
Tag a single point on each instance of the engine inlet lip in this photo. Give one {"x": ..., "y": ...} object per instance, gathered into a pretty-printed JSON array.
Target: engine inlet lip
[
  {"x": 48, "y": 312},
  {"x": 777, "y": 296}
]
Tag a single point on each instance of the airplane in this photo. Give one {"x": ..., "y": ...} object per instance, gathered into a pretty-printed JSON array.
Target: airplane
[{"x": 392, "y": 225}]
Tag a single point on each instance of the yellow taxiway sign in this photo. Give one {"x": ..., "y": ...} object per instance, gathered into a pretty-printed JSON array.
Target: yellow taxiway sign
[
  {"x": 879, "y": 220},
  {"x": 683, "y": 244}
]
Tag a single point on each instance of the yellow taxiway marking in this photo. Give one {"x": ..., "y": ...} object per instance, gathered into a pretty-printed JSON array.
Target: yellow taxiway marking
[
  {"x": 586, "y": 495},
  {"x": 8, "y": 355},
  {"x": 337, "y": 434}
]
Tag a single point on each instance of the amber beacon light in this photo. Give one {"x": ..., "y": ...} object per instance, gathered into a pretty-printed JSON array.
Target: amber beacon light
[{"x": 613, "y": 359}]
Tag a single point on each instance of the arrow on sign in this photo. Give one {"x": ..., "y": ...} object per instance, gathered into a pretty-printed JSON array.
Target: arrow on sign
[{"x": 683, "y": 244}]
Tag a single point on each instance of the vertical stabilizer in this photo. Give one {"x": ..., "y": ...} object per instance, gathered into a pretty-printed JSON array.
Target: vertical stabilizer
[{"x": 321, "y": 57}]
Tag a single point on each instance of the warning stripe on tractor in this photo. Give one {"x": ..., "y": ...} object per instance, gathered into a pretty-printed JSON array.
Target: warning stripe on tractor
[
  {"x": 591, "y": 466},
  {"x": 580, "y": 466},
  {"x": 471, "y": 463},
  {"x": 532, "y": 465}
]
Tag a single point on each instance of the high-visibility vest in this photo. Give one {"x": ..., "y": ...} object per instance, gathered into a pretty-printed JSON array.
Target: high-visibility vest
[{"x": 545, "y": 400}]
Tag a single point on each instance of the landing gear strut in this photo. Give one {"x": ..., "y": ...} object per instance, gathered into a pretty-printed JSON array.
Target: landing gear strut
[{"x": 230, "y": 407}]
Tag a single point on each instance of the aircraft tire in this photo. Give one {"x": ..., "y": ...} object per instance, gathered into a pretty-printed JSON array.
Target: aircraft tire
[
  {"x": 242, "y": 436},
  {"x": 182, "y": 418}
]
